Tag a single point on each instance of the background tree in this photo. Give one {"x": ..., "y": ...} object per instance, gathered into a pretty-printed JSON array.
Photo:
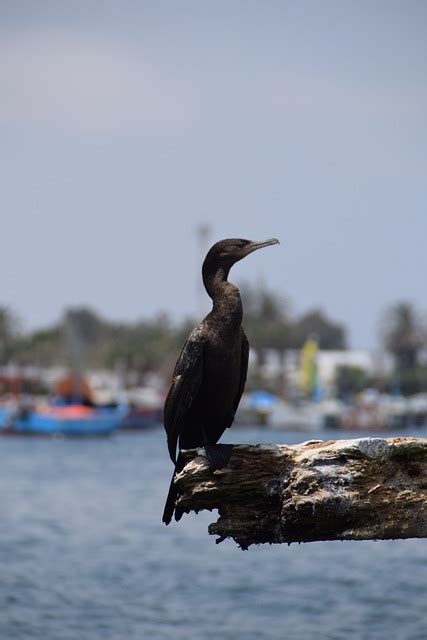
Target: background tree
[
  {"x": 145, "y": 346},
  {"x": 404, "y": 335},
  {"x": 329, "y": 334},
  {"x": 44, "y": 348},
  {"x": 268, "y": 326},
  {"x": 9, "y": 334}
]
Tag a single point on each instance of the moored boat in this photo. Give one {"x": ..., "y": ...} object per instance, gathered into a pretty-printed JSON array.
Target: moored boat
[
  {"x": 71, "y": 420},
  {"x": 5, "y": 414}
]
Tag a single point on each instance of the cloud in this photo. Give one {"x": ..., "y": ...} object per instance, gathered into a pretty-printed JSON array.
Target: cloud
[
  {"x": 346, "y": 96},
  {"x": 74, "y": 81}
]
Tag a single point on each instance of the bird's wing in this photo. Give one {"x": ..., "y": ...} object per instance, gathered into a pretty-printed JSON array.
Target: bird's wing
[
  {"x": 243, "y": 370},
  {"x": 186, "y": 382}
]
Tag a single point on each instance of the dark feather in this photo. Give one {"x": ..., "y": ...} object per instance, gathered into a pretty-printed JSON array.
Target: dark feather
[
  {"x": 172, "y": 493},
  {"x": 185, "y": 385},
  {"x": 243, "y": 370}
]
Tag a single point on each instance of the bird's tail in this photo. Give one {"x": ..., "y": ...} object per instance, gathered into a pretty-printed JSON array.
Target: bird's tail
[
  {"x": 170, "y": 501},
  {"x": 170, "y": 505}
]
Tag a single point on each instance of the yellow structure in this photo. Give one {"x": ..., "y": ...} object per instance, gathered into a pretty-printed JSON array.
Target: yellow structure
[{"x": 308, "y": 366}]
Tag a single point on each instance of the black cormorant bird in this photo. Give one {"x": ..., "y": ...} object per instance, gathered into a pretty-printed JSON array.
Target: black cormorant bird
[{"x": 210, "y": 373}]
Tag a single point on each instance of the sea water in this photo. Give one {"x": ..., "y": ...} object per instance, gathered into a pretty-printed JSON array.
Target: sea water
[{"x": 84, "y": 556}]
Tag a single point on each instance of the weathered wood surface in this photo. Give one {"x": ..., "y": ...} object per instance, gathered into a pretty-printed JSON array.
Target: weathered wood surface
[{"x": 362, "y": 489}]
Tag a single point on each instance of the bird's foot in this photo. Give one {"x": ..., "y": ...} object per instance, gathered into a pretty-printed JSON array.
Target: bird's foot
[{"x": 218, "y": 455}]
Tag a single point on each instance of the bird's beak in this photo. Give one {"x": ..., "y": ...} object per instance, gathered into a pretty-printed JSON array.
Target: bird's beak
[{"x": 259, "y": 245}]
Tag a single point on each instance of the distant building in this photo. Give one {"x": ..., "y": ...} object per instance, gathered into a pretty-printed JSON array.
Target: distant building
[{"x": 373, "y": 363}]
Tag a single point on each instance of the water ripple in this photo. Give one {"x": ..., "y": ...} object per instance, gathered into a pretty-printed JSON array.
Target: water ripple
[{"x": 83, "y": 554}]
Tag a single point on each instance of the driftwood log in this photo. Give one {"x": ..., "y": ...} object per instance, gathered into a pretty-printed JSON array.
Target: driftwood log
[{"x": 362, "y": 489}]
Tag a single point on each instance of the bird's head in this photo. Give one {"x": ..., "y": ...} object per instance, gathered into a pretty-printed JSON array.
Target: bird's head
[{"x": 226, "y": 252}]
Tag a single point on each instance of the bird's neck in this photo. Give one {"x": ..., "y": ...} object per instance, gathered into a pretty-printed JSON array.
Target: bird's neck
[{"x": 227, "y": 304}]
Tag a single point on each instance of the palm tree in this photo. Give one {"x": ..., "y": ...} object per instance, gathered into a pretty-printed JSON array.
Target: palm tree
[
  {"x": 329, "y": 334},
  {"x": 404, "y": 335},
  {"x": 267, "y": 325},
  {"x": 8, "y": 334}
]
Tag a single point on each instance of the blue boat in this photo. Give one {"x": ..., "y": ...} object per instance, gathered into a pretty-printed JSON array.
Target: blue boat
[
  {"x": 5, "y": 415},
  {"x": 73, "y": 420}
]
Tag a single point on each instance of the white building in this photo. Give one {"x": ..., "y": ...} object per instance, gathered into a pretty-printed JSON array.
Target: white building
[{"x": 374, "y": 363}]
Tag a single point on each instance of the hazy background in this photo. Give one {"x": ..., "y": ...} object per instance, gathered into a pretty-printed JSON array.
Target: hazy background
[{"x": 124, "y": 125}]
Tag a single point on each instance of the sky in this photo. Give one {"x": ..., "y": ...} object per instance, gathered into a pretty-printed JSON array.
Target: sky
[{"x": 124, "y": 126}]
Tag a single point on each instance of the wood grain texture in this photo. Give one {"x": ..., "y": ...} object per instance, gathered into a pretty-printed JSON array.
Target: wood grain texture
[{"x": 361, "y": 489}]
